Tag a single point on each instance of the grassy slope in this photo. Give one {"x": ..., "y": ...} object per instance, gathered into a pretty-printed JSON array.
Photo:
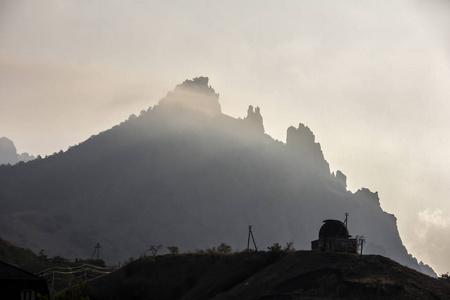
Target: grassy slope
[{"x": 298, "y": 275}]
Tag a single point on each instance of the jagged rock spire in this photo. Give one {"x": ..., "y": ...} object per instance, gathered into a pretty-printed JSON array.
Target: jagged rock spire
[
  {"x": 254, "y": 119},
  {"x": 302, "y": 141}
]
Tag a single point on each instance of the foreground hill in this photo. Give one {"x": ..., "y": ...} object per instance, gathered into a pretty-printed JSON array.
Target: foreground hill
[
  {"x": 267, "y": 275},
  {"x": 22, "y": 258},
  {"x": 185, "y": 174}
]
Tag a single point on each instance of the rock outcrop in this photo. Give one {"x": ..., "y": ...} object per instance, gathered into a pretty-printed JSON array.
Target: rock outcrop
[
  {"x": 9, "y": 155},
  {"x": 254, "y": 121},
  {"x": 8, "y": 152},
  {"x": 302, "y": 141}
]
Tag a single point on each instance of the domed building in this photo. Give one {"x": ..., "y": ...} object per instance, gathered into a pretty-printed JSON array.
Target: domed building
[{"x": 334, "y": 236}]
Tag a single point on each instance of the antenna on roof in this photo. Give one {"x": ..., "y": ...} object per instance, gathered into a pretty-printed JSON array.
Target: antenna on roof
[{"x": 250, "y": 233}]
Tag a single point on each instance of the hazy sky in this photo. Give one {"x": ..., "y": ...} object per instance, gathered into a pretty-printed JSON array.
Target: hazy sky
[{"x": 370, "y": 78}]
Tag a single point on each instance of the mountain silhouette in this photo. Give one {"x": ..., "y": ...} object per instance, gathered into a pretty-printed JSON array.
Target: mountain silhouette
[
  {"x": 184, "y": 174},
  {"x": 8, "y": 153}
]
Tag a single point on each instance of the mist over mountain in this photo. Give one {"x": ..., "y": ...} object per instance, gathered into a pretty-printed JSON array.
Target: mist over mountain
[
  {"x": 9, "y": 155},
  {"x": 183, "y": 173}
]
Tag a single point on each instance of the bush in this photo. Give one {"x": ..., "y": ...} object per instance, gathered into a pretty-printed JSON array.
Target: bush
[
  {"x": 289, "y": 247},
  {"x": 211, "y": 251},
  {"x": 75, "y": 293},
  {"x": 445, "y": 277},
  {"x": 276, "y": 252},
  {"x": 173, "y": 250},
  {"x": 275, "y": 248},
  {"x": 154, "y": 249},
  {"x": 224, "y": 249}
]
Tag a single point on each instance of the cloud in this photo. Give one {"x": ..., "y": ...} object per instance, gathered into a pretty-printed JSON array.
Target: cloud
[
  {"x": 431, "y": 244},
  {"x": 436, "y": 218},
  {"x": 66, "y": 102}
]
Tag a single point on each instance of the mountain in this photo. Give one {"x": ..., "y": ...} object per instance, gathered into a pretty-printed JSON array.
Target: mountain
[
  {"x": 184, "y": 174},
  {"x": 9, "y": 155},
  {"x": 266, "y": 275}
]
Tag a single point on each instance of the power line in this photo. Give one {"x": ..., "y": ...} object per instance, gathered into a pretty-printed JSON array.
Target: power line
[{"x": 84, "y": 271}]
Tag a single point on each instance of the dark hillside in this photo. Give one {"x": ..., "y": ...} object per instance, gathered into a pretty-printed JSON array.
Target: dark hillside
[
  {"x": 22, "y": 258},
  {"x": 295, "y": 275}
]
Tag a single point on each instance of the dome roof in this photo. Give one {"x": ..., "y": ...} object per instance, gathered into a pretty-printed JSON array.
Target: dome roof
[{"x": 333, "y": 229}]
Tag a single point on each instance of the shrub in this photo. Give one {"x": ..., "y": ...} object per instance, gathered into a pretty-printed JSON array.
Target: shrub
[
  {"x": 276, "y": 252},
  {"x": 275, "y": 248},
  {"x": 154, "y": 249},
  {"x": 173, "y": 250},
  {"x": 445, "y": 277},
  {"x": 211, "y": 251},
  {"x": 224, "y": 249},
  {"x": 289, "y": 246}
]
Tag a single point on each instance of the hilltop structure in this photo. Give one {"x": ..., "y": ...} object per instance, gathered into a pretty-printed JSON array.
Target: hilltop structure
[{"x": 334, "y": 236}]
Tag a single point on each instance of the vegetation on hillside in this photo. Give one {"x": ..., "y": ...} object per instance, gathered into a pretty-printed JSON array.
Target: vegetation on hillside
[
  {"x": 59, "y": 272},
  {"x": 257, "y": 275}
]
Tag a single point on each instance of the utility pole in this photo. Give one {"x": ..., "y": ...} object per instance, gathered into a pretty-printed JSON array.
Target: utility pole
[
  {"x": 250, "y": 233},
  {"x": 362, "y": 241},
  {"x": 97, "y": 249},
  {"x": 345, "y": 222}
]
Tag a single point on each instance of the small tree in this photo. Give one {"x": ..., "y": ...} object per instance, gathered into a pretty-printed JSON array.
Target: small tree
[
  {"x": 275, "y": 248},
  {"x": 173, "y": 250},
  {"x": 289, "y": 246},
  {"x": 154, "y": 249},
  {"x": 275, "y": 252},
  {"x": 211, "y": 251},
  {"x": 42, "y": 255},
  {"x": 224, "y": 249}
]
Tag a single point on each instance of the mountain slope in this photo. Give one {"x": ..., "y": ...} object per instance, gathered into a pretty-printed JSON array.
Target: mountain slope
[{"x": 184, "y": 174}]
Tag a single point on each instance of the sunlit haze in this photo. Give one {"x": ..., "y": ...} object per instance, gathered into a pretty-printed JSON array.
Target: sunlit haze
[{"x": 371, "y": 79}]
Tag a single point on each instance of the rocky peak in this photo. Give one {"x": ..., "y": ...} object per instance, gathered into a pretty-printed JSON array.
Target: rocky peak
[
  {"x": 9, "y": 155},
  {"x": 369, "y": 196},
  {"x": 8, "y": 152},
  {"x": 301, "y": 136},
  {"x": 302, "y": 141},
  {"x": 340, "y": 178},
  {"x": 194, "y": 95}
]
